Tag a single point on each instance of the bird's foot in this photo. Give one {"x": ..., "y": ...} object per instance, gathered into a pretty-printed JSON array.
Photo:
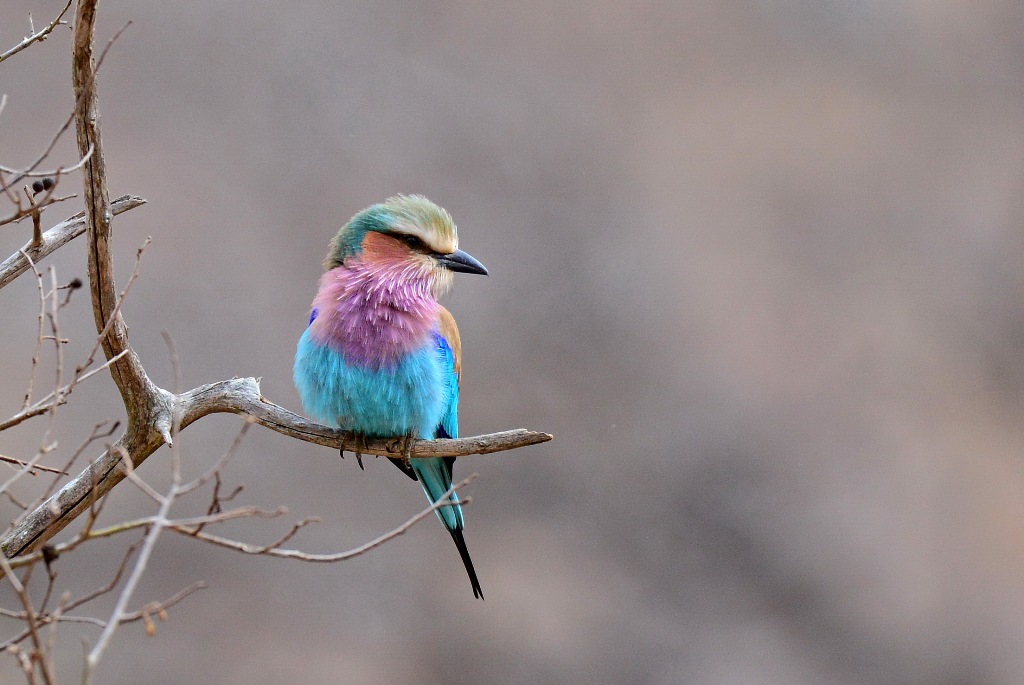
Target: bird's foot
[
  {"x": 360, "y": 444},
  {"x": 407, "y": 442},
  {"x": 404, "y": 446}
]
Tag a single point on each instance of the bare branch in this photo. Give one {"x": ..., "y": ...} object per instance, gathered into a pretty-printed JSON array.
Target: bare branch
[
  {"x": 80, "y": 96},
  {"x": 39, "y": 35},
  {"x": 242, "y": 396},
  {"x": 125, "y": 464},
  {"x": 34, "y": 209},
  {"x": 128, "y": 374},
  {"x": 155, "y": 416},
  {"x": 57, "y": 237},
  {"x": 39, "y": 655},
  {"x": 96, "y": 433},
  {"x": 274, "y": 551},
  {"x": 36, "y": 356},
  {"x": 159, "y": 607},
  {"x": 25, "y": 663},
  {"x": 109, "y": 587},
  {"x": 129, "y": 587},
  {"x": 55, "y": 398},
  {"x": 219, "y": 464},
  {"x": 31, "y": 469},
  {"x": 239, "y": 396},
  {"x": 188, "y": 526},
  {"x": 33, "y": 173}
]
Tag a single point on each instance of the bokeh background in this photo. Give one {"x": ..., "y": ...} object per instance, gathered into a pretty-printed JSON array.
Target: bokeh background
[{"x": 757, "y": 264}]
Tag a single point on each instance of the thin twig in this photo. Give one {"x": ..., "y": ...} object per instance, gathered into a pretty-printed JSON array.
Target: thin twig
[
  {"x": 31, "y": 469},
  {"x": 218, "y": 465},
  {"x": 28, "y": 173},
  {"x": 39, "y": 35},
  {"x": 84, "y": 599},
  {"x": 148, "y": 610},
  {"x": 129, "y": 587},
  {"x": 60, "y": 396},
  {"x": 164, "y": 604},
  {"x": 45, "y": 664},
  {"x": 80, "y": 97},
  {"x": 34, "y": 210},
  {"x": 94, "y": 435},
  {"x": 125, "y": 464},
  {"x": 57, "y": 397},
  {"x": 37, "y": 354},
  {"x": 114, "y": 318},
  {"x": 58, "y": 341},
  {"x": 109, "y": 587},
  {"x": 337, "y": 556}
]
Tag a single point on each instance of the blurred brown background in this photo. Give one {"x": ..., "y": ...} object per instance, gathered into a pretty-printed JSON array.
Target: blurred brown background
[{"x": 756, "y": 264}]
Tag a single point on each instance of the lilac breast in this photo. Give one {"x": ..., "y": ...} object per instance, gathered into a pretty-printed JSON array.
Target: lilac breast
[{"x": 374, "y": 314}]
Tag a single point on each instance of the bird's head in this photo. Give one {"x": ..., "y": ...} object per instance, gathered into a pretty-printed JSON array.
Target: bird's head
[{"x": 404, "y": 231}]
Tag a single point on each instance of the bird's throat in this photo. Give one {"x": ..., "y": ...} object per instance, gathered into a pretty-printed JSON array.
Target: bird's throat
[{"x": 375, "y": 314}]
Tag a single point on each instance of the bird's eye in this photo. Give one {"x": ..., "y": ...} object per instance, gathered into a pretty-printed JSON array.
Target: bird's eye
[{"x": 412, "y": 241}]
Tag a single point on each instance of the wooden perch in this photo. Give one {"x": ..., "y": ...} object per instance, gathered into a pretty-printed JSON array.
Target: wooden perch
[{"x": 237, "y": 396}]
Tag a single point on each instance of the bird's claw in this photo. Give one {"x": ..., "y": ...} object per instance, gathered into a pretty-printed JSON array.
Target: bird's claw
[
  {"x": 360, "y": 443},
  {"x": 407, "y": 441},
  {"x": 403, "y": 446}
]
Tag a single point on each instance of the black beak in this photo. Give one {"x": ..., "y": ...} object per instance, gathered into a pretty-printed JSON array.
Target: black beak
[{"x": 462, "y": 261}]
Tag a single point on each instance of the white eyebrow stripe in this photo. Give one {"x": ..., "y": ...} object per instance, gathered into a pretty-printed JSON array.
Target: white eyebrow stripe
[{"x": 429, "y": 238}]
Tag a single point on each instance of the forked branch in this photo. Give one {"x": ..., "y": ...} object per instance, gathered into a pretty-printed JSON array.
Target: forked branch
[{"x": 237, "y": 396}]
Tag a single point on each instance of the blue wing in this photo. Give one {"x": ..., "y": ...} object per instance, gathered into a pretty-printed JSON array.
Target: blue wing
[
  {"x": 449, "y": 427},
  {"x": 449, "y": 344},
  {"x": 435, "y": 475}
]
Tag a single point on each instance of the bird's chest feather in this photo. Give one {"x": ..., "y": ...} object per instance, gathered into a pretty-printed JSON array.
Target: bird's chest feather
[
  {"x": 374, "y": 315},
  {"x": 406, "y": 397},
  {"x": 369, "y": 360}
]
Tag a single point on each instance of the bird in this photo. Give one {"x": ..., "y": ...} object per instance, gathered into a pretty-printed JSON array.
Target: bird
[{"x": 380, "y": 357}]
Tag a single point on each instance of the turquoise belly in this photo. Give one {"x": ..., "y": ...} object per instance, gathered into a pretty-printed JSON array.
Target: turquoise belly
[{"x": 407, "y": 398}]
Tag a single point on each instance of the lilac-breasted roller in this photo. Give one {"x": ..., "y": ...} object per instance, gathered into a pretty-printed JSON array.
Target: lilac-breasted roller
[{"x": 380, "y": 356}]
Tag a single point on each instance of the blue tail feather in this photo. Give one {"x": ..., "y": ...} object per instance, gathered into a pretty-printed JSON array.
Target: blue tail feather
[{"x": 436, "y": 477}]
